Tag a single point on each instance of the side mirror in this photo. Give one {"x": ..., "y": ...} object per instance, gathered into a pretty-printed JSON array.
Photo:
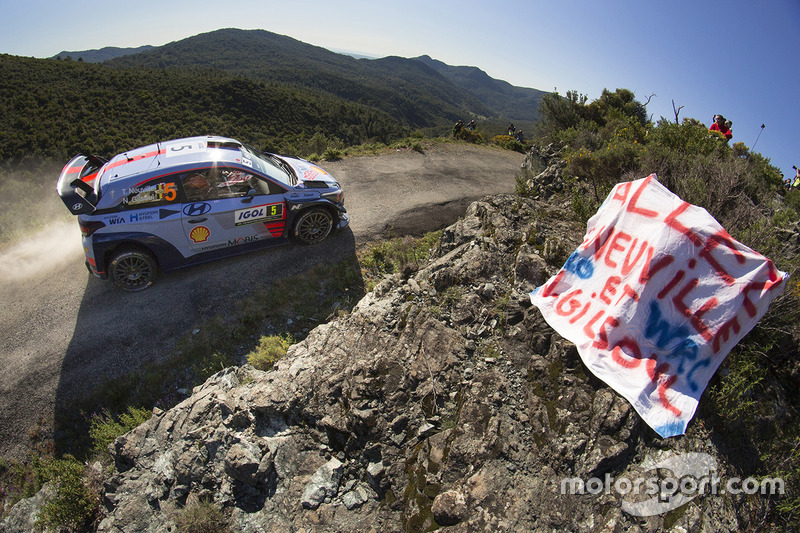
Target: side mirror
[{"x": 249, "y": 196}]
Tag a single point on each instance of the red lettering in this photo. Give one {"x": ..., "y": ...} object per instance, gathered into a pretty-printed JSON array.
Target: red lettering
[
  {"x": 587, "y": 329},
  {"x": 671, "y": 285},
  {"x": 570, "y": 300},
  {"x": 610, "y": 288},
  {"x": 648, "y": 272},
  {"x": 633, "y": 208},
  {"x": 721, "y": 238},
  {"x": 698, "y": 324},
  {"x": 655, "y": 374},
  {"x": 602, "y": 342},
  {"x": 628, "y": 291},
  {"x": 724, "y": 333},
  {"x": 600, "y": 242},
  {"x": 662, "y": 395},
  {"x": 615, "y": 246},
  {"x": 549, "y": 290},
  {"x": 633, "y": 347},
  {"x": 627, "y": 265},
  {"x": 682, "y": 308},
  {"x": 621, "y": 192},
  {"x": 759, "y": 286},
  {"x": 580, "y": 315},
  {"x": 672, "y": 222}
]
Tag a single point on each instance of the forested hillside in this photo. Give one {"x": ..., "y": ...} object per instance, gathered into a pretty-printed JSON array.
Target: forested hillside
[
  {"x": 54, "y": 109},
  {"x": 406, "y": 89}
]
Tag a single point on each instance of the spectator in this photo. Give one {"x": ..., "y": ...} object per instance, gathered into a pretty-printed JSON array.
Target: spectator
[{"x": 720, "y": 126}]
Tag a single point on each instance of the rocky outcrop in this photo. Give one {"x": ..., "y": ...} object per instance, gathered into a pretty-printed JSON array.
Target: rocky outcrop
[
  {"x": 544, "y": 175},
  {"x": 443, "y": 400}
]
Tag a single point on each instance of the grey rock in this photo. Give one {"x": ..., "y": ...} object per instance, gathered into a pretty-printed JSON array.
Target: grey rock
[{"x": 324, "y": 484}]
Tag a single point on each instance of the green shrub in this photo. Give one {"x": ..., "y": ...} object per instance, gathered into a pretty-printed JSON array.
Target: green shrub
[
  {"x": 202, "y": 516},
  {"x": 404, "y": 254},
  {"x": 104, "y": 427},
  {"x": 75, "y": 504},
  {"x": 471, "y": 136},
  {"x": 332, "y": 154},
  {"x": 508, "y": 142},
  {"x": 269, "y": 351}
]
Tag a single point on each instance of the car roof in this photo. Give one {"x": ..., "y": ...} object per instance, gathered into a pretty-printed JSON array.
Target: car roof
[{"x": 129, "y": 166}]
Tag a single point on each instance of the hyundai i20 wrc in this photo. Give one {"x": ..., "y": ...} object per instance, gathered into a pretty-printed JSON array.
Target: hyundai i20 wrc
[{"x": 188, "y": 201}]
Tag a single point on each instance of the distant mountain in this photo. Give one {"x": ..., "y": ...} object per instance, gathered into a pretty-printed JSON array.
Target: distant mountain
[
  {"x": 419, "y": 93},
  {"x": 516, "y": 103},
  {"x": 407, "y": 89},
  {"x": 104, "y": 54}
]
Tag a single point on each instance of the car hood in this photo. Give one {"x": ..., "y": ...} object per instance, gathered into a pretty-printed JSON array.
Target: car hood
[{"x": 309, "y": 172}]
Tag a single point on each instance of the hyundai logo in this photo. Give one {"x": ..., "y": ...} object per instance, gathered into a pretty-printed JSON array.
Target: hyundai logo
[{"x": 193, "y": 210}]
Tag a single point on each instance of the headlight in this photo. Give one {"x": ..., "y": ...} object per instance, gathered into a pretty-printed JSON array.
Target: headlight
[{"x": 335, "y": 197}]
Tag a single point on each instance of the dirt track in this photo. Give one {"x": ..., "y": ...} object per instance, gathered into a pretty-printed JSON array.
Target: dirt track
[{"x": 64, "y": 331}]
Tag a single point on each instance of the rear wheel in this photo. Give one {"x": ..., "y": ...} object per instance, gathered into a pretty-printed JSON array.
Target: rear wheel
[
  {"x": 133, "y": 270},
  {"x": 312, "y": 226}
]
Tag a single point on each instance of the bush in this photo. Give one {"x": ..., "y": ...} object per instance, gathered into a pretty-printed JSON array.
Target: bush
[
  {"x": 508, "y": 142},
  {"x": 269, "y": 351},
  {"x": 75, "y": 505},
  {"x": 332, "y": 154},
  {"x": 104, "y": 428},
  {"x": 202, "y": 516}
]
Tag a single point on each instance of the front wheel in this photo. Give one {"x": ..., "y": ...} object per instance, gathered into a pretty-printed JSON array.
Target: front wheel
[
  {"x": 312, "y": 226},
  {"x": 133, "y": 270}
]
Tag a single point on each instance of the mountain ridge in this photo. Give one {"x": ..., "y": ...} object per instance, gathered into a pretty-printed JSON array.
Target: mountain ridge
[{"x": 434, "y": 95}]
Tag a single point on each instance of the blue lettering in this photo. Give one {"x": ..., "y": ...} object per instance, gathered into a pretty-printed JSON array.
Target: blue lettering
[
  {"x": 580, "y": 266},
  {"x": 662, "y": 334}
]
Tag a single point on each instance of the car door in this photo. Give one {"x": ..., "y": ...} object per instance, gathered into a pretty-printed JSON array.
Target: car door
[{"x": 229, "y": 208}]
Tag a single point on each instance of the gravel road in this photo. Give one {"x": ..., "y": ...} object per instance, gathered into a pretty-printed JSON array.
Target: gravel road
[{"x": 63, "y": 331}]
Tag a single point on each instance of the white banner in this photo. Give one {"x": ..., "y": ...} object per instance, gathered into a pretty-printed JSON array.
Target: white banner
[{"x": 655, "y": 297}]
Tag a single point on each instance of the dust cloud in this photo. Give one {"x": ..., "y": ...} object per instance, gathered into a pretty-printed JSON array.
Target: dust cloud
[{"x": 41, "y": 252}]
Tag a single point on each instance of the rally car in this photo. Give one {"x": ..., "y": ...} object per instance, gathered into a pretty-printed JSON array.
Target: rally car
[{"x": 188, "y": 201}]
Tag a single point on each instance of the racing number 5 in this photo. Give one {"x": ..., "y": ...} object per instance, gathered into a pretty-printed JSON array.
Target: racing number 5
[{"x": 170, "y": 192}]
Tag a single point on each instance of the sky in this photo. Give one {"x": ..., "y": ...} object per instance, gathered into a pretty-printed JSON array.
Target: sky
[{"x": 738, "y": 58}]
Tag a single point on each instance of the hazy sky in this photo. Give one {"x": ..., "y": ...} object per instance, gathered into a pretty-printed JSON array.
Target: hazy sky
[{"x": 734, "y": 57}]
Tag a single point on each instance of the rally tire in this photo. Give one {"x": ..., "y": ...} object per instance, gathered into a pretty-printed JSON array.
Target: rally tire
[
  {"x": 133, "y": 270},
  {"x": 312, "y": 226}
]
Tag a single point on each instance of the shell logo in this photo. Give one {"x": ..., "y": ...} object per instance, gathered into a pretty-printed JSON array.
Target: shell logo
[{"x": 199, "y": 234}]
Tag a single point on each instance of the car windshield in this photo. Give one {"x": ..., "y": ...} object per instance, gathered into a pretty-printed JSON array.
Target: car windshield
[{"x": 271, "y": 165}]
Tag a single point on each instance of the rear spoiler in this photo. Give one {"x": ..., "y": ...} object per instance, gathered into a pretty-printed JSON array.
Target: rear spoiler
[{"x": 75, "y": 184}]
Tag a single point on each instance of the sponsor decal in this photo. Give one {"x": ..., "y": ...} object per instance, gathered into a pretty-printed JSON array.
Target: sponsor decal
[
  {"x": 258, "y": 213},
  {"x": 193, "y": 210},
  {"x": 77, "y": 206},
  {"x": 112, "y": 220},
  {"x": 143, "y": 216},
  {"x": 164, "y": 213},
  {"x": 243, "y": 240},
  {"x": 213, "y": 247},
  {"x": 246, "y": 162},
  {"x": 184, "y": 148},
  {"x": 199, "y": 234}
]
